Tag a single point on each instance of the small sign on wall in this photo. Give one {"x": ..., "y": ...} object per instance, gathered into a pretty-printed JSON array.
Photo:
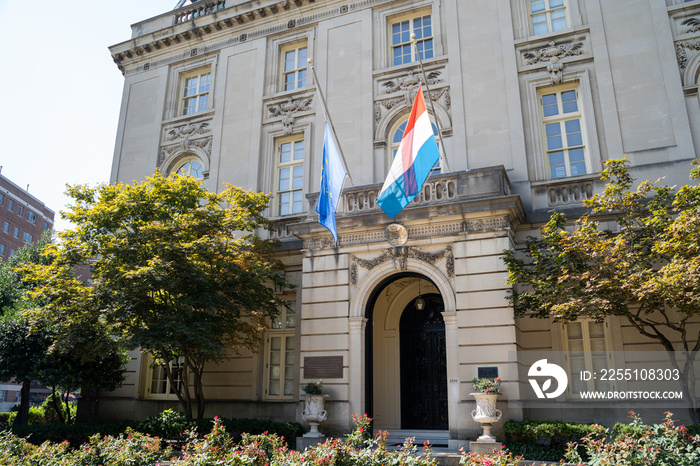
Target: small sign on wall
[
  {"x": 323, "y": 367},
  {"x": 487, "y": 372}
]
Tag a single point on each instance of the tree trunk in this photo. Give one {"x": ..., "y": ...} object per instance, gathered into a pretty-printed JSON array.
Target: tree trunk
[
  {"x": 56, "y": 405},
  {"x": 23, "y": 414}
]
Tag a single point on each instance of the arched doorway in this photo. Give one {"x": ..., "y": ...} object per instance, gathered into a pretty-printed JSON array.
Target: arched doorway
[
  {"x": 423, "y": 365},
  {"x": 407, "y": 360}
]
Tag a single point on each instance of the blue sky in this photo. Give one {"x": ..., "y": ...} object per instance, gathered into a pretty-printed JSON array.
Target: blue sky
[{"x": 61, "y": 91}]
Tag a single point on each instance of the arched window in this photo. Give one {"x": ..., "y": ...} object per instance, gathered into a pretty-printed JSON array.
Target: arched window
[
  {"x": 190, "y": 167},
  {"x": 397, "y": 135}
]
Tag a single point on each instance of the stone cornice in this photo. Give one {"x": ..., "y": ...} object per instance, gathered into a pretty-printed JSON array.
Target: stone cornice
[{"x": 247, "y": 21}]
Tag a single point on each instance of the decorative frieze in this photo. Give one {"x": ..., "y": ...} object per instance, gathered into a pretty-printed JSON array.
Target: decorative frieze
[
  {"x": 682, "y": 49},
  {"x": 552, "y": 56},
  {"x": 573, "y": 193},
  {"x": 185, "y": 136},
  {"x": 288, "y": 110},
  {"x": 692, "y": 24},
  {"x": 399, "y": 255}
]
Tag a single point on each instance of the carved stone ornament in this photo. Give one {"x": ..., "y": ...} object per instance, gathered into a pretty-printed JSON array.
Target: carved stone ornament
[
  {"x": 184, "y": 146},
  {"x": 187, "y": 130},
  {"x": 400, "y": 255},
  {"x": 396, "y": 234},
  {"x": 411, "y": 81},
  {"x": 693, "y": 25},
  {"x": 552, "y": 55},
  {"x": 287, "y": 111},
  {"x": 682, "y": 55}
]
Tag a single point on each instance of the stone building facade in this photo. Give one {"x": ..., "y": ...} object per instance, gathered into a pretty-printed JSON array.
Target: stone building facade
[{"x": 529, "y": 97}]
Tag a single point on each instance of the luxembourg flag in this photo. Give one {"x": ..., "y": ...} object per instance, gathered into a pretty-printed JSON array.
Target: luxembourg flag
[{"x": 416, "y": 156}]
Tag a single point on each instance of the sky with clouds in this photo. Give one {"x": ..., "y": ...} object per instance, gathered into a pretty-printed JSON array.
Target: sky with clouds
[{"x": 61, "y": 91}]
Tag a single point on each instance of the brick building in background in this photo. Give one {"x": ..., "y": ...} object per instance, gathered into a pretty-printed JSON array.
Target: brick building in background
[{"x": 23, "y": 217}]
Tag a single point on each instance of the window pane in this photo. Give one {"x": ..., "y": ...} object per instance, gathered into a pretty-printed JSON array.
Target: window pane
[
  {"x": 578, "y": 168},
  {"x": 284, "y": 204},
  {"x": 299, "y": 150},
  {"x": 573, "y": 133},
  {"x": 549, "y": 105},
  {"x": 556, "y": 3},
  {"x": 298, "y": 180},
  {"x": 275, "y": 356},
  {"x": 536, "y": 5},
  {"x": 575, "y": 155},
  {"x": 568, "y": 102},
  {"x": 284, "y": 179},
  {"x": 558, "y": 24},
  {"x": 285, "y": 151},
  {"x": 298, "y": 202},
  {"x": 539, "y": 24},
  {"x": 302, "y": 78},
  {"x": 554, "y": 140},
  {"x": 289, "y": 60}
]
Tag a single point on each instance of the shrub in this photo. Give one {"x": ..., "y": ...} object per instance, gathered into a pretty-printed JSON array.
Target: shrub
[
  {"x": 499, "y": 458},
  {"x": 546, "y": 440},
  {"x": 131, "y": 448},
  {"x": 51, "y": 415},
  {"x": 660, "y": 444}
]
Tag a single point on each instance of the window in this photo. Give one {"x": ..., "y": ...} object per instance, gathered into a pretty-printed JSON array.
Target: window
[
  {"x": 2, "y": 250},
  {"x": 2, "y": 198},
  {"x": 294, "y": 63},
  {"x": 20, "y": 210},
  {"x": 280, "y": 358},
  {"x": 195, "y": 92},
  {"x": 27, "y": 238},
  {"x": 547, "y": 16},
  {"x": 160, "y": 385},
  {"x": 47, "y": 226},
  {"x": 3, "y": 396},
  {"x": 400, "y": 31},
  {"x": 290, "y": 176},
  {"x": 16, "y": 232},
  {"x": 31, "y": 217},
  {"x": 587, "y": 348},
  {"x": 6, "y": 227},
  {"x": 191, "y": 167},
  {"x": 563, "y": 132},
  {"x": 10, "y": 205},
  {"x": 397, "y": 135}
]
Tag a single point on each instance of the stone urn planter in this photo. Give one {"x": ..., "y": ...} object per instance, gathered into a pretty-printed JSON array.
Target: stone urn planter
[
  {"x": 486, "y": 414},
  {"x": 314, "y": 412}
]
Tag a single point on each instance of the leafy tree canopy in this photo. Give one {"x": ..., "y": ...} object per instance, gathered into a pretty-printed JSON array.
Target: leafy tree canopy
[
  {"x": 178, "y": 270},
  {"x": 636, "y": 255}
]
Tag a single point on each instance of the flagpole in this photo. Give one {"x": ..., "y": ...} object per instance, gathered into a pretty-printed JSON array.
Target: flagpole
[
  {"x": 430, "y": 99},
  {"x": 327, "y": 117}
]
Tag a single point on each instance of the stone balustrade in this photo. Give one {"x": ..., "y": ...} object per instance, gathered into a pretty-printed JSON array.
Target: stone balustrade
[{"x": 198, "y": 9}]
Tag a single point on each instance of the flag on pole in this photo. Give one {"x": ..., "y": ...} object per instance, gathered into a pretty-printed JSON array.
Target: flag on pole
[
  {"x": 416, "y": 156},
  {"x": 332, "y": 178}
]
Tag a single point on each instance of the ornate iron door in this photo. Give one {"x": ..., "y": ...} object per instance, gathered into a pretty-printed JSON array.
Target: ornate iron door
[{"x": 423, "y": 366}]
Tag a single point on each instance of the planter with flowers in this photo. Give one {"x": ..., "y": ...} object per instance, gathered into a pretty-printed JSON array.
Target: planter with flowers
[
  {"x": 486, "y": 412},
  {"x": 314, "y": 402}
]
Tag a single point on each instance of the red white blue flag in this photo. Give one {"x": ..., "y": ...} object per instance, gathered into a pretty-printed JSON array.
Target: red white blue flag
[{"x": 416, "y": 156}]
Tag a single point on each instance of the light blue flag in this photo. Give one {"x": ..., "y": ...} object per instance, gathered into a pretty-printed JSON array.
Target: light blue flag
[{"x": 332, "y": 179}]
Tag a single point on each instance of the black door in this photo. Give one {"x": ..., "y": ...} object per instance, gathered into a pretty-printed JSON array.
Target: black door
[{"x": 423, "y": 366}]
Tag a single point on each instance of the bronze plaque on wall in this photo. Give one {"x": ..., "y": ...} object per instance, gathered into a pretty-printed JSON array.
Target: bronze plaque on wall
[{"x": 323, "y": 367}]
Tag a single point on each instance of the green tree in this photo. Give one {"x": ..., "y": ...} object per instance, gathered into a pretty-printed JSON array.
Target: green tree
[
  {"x": 646, "y": 271},
  {"x": 22, "y": 353},
  {"x": 22, "y": 350},
  {"x": 178, "y": 271}
]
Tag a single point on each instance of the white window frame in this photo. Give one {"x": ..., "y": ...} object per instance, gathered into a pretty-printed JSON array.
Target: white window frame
[
  {"x": 155, "y": 369},
  {"x": 292, "y": 166},
  {"x": 6, "y": 227},
  {"x": 27, "y": 237},
  {"x": 560, "y": 120},
  {"x": 389, "y": 14},
  {"x": 547, "y": 12},
  {"x": 296, "y": 71},
  {"x": 283, "y": 327},
  {"x": 588, "y": 364},
  {"x": 537, "y": 85},
  {"x": 410, "y": 18},
  {"x": 198, "y": 94},
  {"x": 174, "y": 103},
  {"x": 31, "y": 217}
]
